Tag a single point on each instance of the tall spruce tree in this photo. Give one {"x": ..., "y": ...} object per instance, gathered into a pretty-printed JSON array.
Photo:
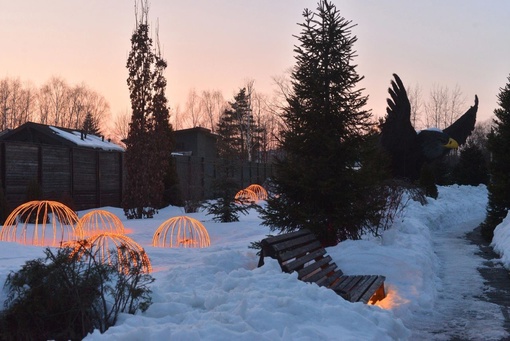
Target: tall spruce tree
[
  {"x": 498, "y": 143},
  {"x": 149, "y": 141},
  {"x": 239, "y": 135},
  {"x": 90, "y": 125},
  {"x": 321, "y": 182}
]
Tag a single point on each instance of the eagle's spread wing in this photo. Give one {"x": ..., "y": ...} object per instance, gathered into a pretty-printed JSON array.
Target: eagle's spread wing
[
  {"x": 397, "y": 128},
  {"x": 398, "y": 136},
  {"x": 462, "y": 128}
]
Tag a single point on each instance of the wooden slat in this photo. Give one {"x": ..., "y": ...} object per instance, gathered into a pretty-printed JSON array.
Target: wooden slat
[
  {"x": 361, "y": 288},
  {"x": 348, "y": 282},
  {"x": 316, "y": 276},
  {"x": 374, "y": 287},
  {"x": 293, "y": 243},
  {"x": 300, "y": 251},
  {"x": 286, "y": 236},
  {"x": 293, "y": 265},
  {"x": 313, "y": 267},
  {"x": 328, "y": 281}
]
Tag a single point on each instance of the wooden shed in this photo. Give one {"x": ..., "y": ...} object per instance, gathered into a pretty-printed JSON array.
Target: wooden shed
[{"x": 64, "y": 163}]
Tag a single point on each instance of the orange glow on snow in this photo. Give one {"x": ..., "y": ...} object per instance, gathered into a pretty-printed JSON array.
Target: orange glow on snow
[
  {"x": 245, "y": 195},
  {"x": 34, "y": 217},
  {"x": 99, "y": 221},
  {"x": 102, "y": 244},
  {"x": 181, "y": 231},
  {"x": 392, "y": 300},
  {"x": 259, "y": 191}
]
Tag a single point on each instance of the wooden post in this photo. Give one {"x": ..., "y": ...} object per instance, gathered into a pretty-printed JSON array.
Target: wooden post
[
  {"x": 121, "y": 178},
  {"x": 98, "y": 181}
]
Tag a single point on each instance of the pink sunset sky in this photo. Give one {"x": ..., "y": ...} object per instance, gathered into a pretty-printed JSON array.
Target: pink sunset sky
[{"x": 220, "y": 44}]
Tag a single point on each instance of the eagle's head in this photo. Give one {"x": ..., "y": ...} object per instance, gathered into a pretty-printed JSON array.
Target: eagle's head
[{"x": 435, "y": 143}]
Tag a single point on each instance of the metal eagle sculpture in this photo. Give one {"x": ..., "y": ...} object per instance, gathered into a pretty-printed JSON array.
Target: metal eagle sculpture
[{"x": 409, "y": 149}]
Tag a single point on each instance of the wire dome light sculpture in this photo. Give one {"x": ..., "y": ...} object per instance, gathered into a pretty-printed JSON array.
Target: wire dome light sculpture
[
  {"x": 181, "y": 231},
  {"x": 101, "y": 246},
  {"x": 35, "y": 217},
  {"x": 99, "y": 221},
  {"x": 246, "y": 195},
  {"x": 259, "y": 191}
]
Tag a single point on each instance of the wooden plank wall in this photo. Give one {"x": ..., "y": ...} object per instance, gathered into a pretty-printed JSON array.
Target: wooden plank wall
[
  {"x": 91, "y": 178},
  {"x": 197, "y": 175},
  {"x": 55, "y": 172},
  {"x": 22, "y": 167}
]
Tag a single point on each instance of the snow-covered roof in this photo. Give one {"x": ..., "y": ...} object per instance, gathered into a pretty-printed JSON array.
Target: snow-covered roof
[{"x": 90, "y": 141}]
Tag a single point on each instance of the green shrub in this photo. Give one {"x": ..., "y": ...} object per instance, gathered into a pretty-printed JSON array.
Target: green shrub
[
  {"x": 65, "y": 296},
  {"x": 226, "y": 208}
]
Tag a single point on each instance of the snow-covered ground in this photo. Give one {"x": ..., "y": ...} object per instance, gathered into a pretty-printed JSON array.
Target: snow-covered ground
[{"x": 218, "y": 293}]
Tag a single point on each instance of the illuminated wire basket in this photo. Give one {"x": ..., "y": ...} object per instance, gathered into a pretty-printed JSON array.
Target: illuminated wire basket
[
  {"x": 34, "y": 218},
  {"x": 259, "y": 191},
  {"x": 181, "y": 231},
  {"x": 246, "y": 195},
  {"x": 99, "y": 221},
  {"x": 101, "y": 246}
]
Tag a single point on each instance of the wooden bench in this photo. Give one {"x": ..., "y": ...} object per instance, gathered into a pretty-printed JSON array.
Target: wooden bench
[{"x": 301, "y": 251}]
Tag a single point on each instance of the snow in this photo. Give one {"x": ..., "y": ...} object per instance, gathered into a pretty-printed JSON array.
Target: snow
[
  {"x": 430, "y": 129},
  {"x": 91, "y": 141},
  {"x": 218, "y": 293},
  {"x": 501, "y": 241}
]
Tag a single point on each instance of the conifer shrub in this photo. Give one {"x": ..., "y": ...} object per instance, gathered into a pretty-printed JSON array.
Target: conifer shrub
[
  {"x": 472, "y": 167},
  {"x": 226, "y": 208},
  {"x": 65, "y": 297}
]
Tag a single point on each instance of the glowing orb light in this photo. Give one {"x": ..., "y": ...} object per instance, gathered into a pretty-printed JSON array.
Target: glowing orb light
[
  {"x": 181, "y": 231},
  {"x": 102, "y": 245},
  {"x": 246, "y": 195},
  {"x": 259, "y": 191},
  {"x": 34, "y": 217},
  {"x": 99, "y": 221}
]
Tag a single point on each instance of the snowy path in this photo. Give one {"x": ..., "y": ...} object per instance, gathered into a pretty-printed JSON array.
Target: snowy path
[{"x": 458, "y": 314}]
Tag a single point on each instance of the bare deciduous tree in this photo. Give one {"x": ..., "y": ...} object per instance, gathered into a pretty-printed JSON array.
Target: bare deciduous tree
[
  {"x": 16, "y": 103},
  {"x": 56, "y": 92},
  {"x": 414, "y": 95},
  {"x": 178, "y": 121},
  {"x": 213, "y": 104},
  {"x": 120, "y": 127},
  {"x": 194, "y": 115},
  {"x": 76, "y": 103},
  {"x": 55, "y": 103},
  {"x": 444, "y": 106}
]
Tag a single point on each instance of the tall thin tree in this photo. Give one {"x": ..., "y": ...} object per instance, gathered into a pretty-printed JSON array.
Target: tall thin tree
[{"x": 148, "y": 145}]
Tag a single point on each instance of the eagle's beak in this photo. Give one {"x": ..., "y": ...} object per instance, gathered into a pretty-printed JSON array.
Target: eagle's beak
[{"x": 452, "y": 144}]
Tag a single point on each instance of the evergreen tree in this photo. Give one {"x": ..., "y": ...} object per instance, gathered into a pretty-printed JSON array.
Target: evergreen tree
[
  {"x": 321, "y": 182},
  {"x": 90, "y": 125},
  {"x": 149, "y": 141},
  {"x": 226, "y": 208},
  {"x": 166, "y": 179},
  {"x": 472, "y": 167},
  {"x": 498, "y": 143},
  {"x": 239, "y": 135}
]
